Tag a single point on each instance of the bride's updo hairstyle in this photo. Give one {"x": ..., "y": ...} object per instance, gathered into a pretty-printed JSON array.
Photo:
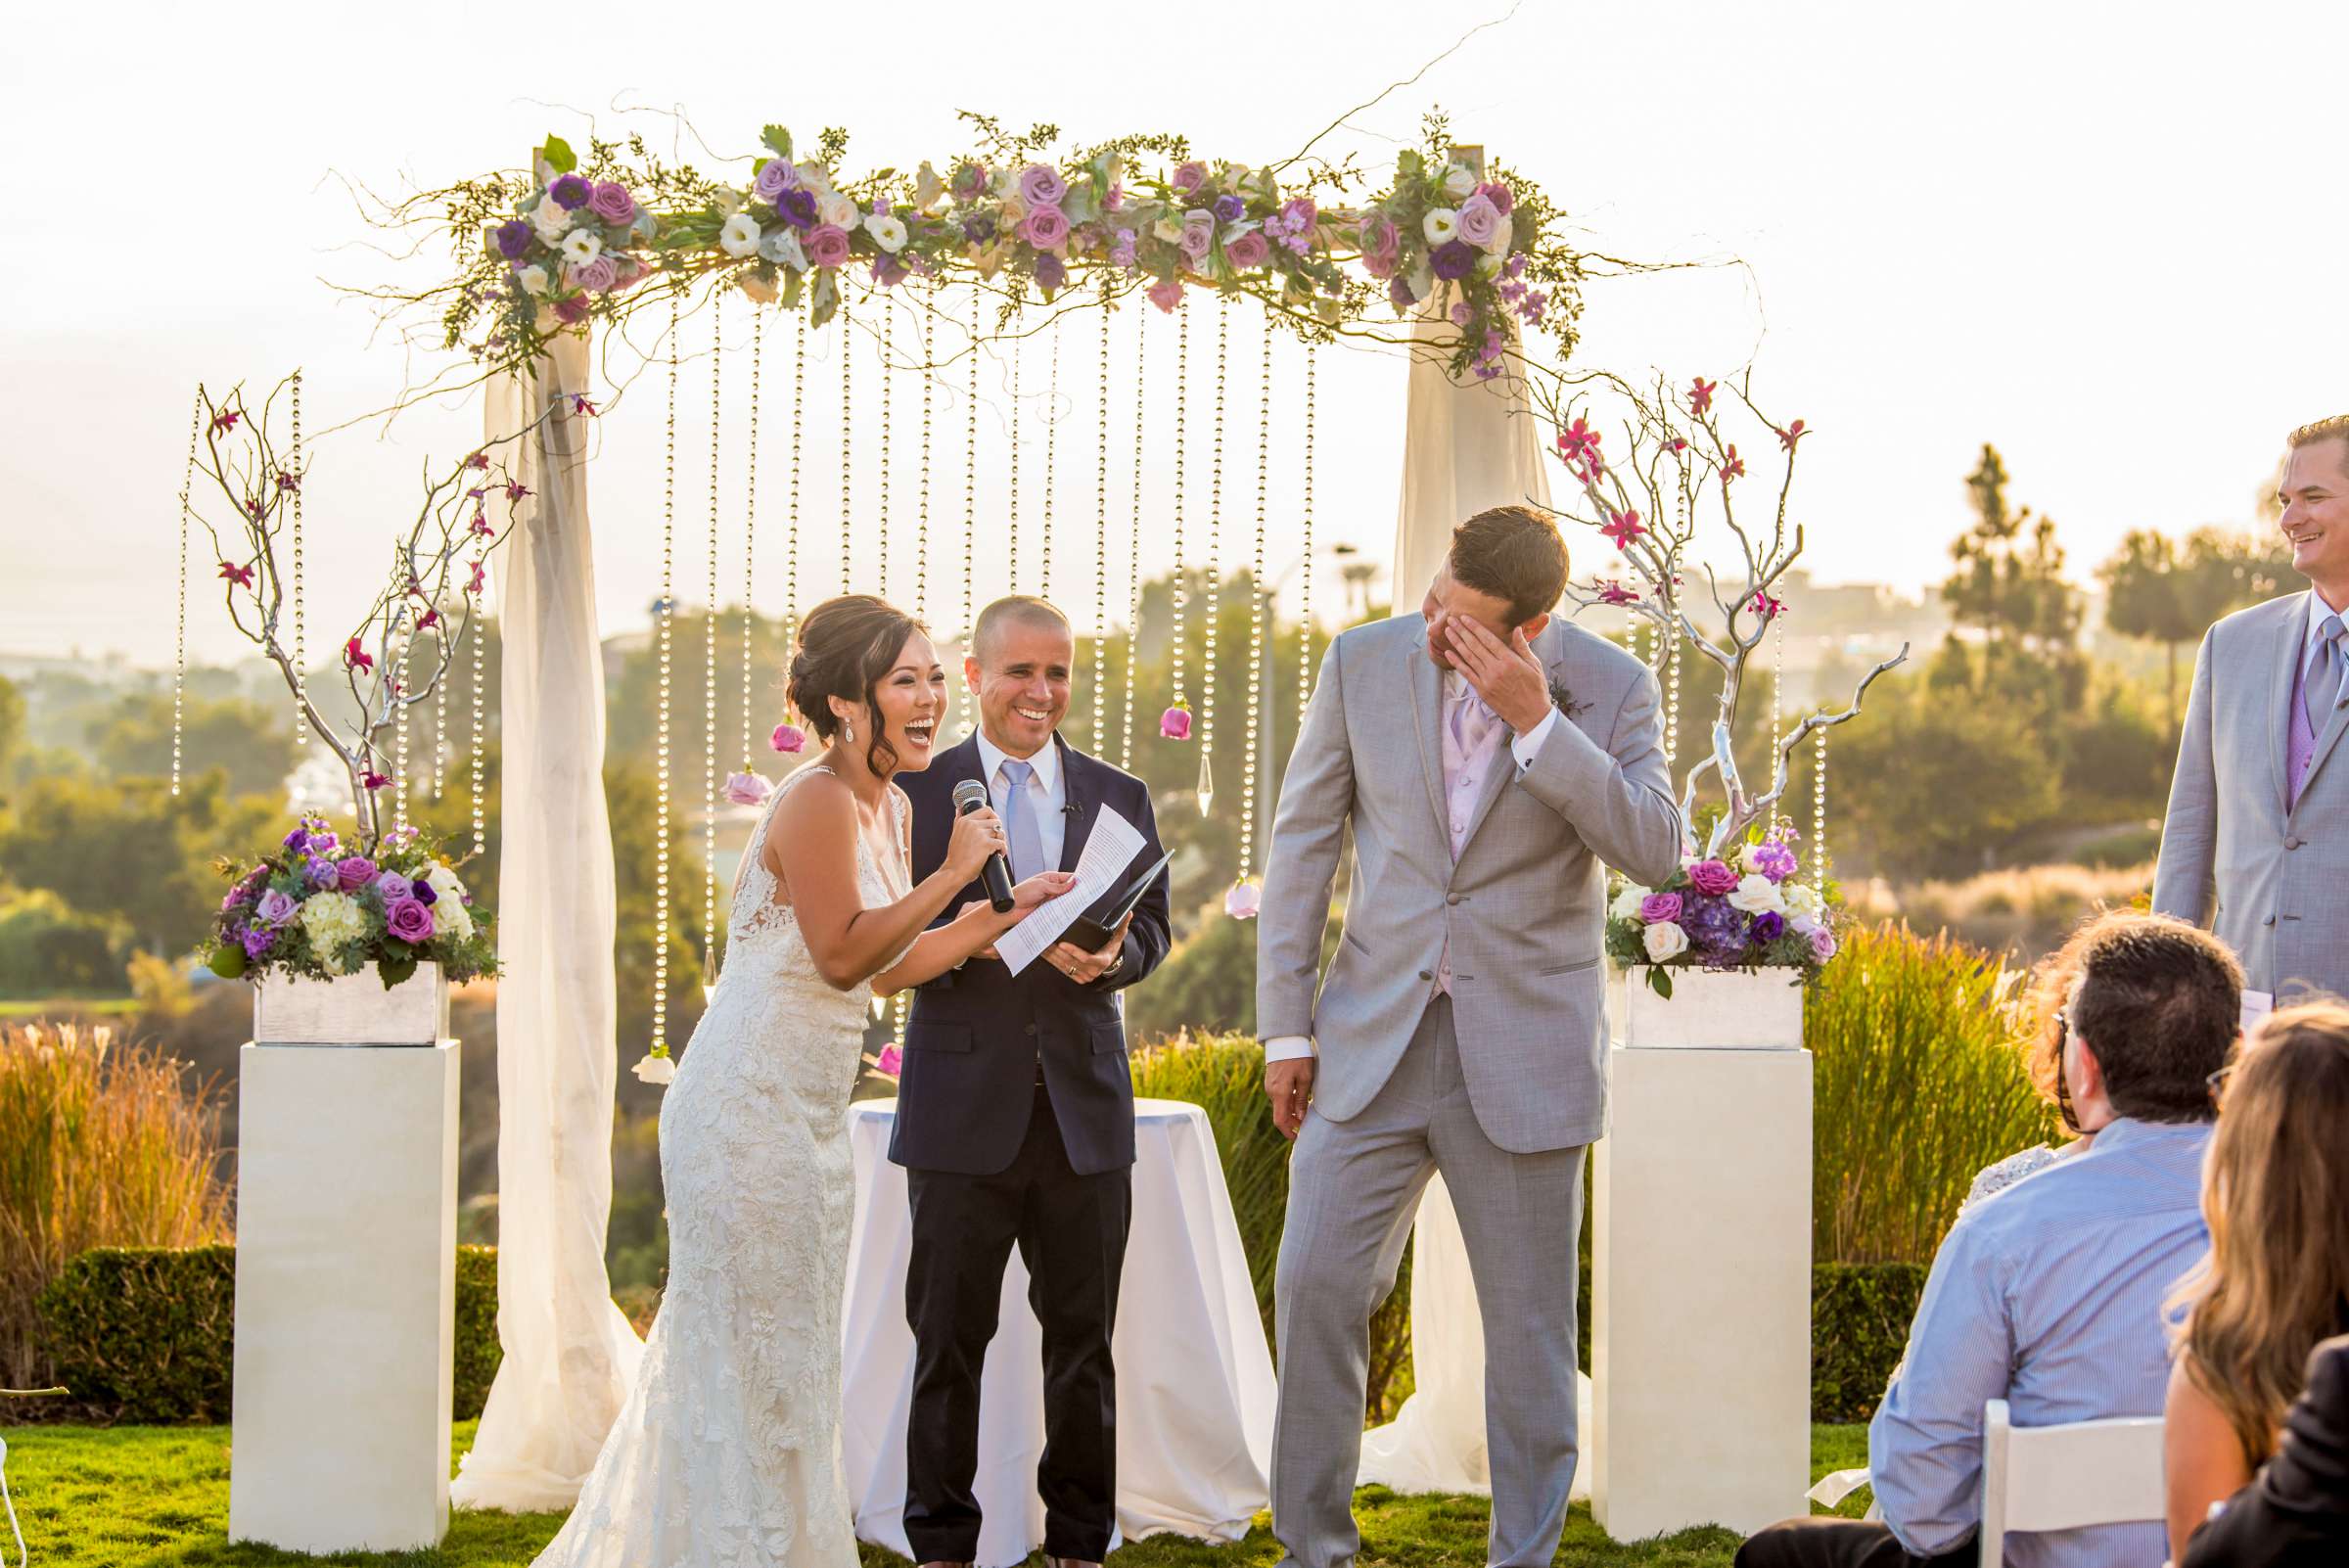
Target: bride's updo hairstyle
[{"x": 846, "y": 645}]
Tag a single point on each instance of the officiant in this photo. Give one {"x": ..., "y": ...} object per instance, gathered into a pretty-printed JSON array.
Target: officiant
[{"x": 1015, "y": 1111}]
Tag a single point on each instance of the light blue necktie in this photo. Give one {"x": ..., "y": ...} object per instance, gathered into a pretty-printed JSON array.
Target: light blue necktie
[
  {"x": 1018, "y": 822},
  {"x": 2320, "y": 682}
]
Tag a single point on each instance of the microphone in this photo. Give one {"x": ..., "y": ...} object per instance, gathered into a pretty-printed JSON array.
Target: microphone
[{"x": 970, "y": 796}]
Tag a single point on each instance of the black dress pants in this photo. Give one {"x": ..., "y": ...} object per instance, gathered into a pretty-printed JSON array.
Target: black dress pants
[
  {"x": 1071, "y": 1231},
  {"x": 1824, "y": 1542}
]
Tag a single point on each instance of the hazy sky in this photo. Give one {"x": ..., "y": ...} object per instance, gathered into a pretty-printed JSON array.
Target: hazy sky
[{"x": 2109, "y": 239}]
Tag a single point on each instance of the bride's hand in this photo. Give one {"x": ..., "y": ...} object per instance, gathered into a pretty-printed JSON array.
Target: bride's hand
[
  {"x": 976, "y": 836},
  {"x": 1043, "y": 888}
]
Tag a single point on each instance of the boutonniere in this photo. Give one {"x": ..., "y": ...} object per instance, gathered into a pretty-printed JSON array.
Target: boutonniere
[{"x": 1564, "y": 699}]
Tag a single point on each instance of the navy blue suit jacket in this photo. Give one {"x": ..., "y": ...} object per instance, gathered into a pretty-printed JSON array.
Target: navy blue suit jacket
[{"x": 976, "y": 1034}]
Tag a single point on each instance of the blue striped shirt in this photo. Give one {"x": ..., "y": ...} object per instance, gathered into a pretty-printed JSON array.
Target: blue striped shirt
[{"x": 2046, "y": 1295}]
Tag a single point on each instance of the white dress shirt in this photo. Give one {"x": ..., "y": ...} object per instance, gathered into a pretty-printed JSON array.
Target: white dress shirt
[
  {"x": 1524, "y": 748},
  {"x": 1047, "y": 794}
]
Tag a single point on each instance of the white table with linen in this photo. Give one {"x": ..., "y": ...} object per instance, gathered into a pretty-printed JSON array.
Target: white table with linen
[{"x": 1195, "y": 1390}]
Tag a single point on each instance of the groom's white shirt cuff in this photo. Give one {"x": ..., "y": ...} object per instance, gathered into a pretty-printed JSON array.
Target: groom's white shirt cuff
[{"x": 1524, "y": 748}]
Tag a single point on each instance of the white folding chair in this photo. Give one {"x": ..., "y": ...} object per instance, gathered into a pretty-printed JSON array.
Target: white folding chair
[{"x": 2065, "y": 1477}]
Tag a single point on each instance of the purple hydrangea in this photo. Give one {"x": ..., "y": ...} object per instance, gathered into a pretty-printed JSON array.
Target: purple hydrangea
[
  {"x": 571, "y": 192},
  {"x": 513, "y": 239},
  {"x": 1229, "y": 208},
  {"x": 1454, "y": 260},
  {"x": 1717, "y": 930}
]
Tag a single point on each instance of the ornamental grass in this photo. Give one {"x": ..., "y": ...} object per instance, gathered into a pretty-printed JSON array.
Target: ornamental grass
[
  {"x": 102, "y": 1144},
  {"x": 1918, "y": 1084}
]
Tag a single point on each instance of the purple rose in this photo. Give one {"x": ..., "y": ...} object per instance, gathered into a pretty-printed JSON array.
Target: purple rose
[
  {"x": 970, "y": 182},
  {"x": 571, "y": 192},
  {"x": 797, "y": 208},
  {"x": 1301, "y": 214},
  {"x": 1189, "y": 177},
  {"x": 1773, "y": 861},
  {"x": 1498, "y": 195},
  {"x": 513, "y": 239},
  {"x": 1040, "y": 185},
  {"x": 613, "y": 204},
  {"x": 1480, "y": 222},
  {"x": 1769, "y": 925},
  {"x": 1712, "y": 877},
  {"x": 1822, "y": 943},
  {"x": 1230, "y": 209},
  {"x": 1198, "y": 233},
  {"x": 1247, "y": 253},
  {"x": 1658, "y": 907},
  {"x": 393, "y": 887},
  {"x": 409, "y": 921},
  {"x": 355, "y": 872},
  {"x": 599, "y": 275},
  {"x": 827, "y": 245},
  {"x": 1454, "y": 260},
  {"x": 1377, "y": 237},
  {"x": 259, "y": 941},
  {"x": 1044, "y": 227},
  {"x": 1050, "y": 273},
  {"x": 776, "y": 176}
]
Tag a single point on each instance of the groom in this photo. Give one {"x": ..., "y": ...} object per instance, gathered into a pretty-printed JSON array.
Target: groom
[
  {"x": 1488, "y": 760},
  {"x": 1015, "y": 1113}
]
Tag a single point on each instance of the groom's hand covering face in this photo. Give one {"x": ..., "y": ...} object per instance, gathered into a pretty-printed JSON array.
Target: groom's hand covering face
[{"x": 1469, "y": 632}]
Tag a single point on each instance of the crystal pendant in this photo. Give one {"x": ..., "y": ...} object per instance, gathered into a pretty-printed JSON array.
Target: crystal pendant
[{"x": 1207, "y": 780}]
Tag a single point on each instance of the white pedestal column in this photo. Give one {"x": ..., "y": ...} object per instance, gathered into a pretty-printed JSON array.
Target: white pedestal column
[
  {"x": 1701, "y": 1260},
  {"x": 345, "y": 1295}
]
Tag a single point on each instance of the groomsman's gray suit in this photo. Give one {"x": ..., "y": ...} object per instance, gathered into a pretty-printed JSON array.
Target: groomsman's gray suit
[
  {"x": 2262, "y": 865},
  {"x": 1501, "y": 1086}
]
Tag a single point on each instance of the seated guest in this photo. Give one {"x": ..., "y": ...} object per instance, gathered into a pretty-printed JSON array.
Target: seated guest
[
  {"x": 2295, "y": 1513},
  {"x": 2051, "y": 985},
  {"x": 2048, "y": 1295},
  {"x": 2275, "y": 1282}
]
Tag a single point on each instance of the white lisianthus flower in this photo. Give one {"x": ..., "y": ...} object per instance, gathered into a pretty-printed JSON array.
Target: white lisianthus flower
[
  {"x": 783, "y": 249},
  {"x": 533, "y": 280},
  {"x": 815, "y": 177},
  {"x": 580, "y": 246},
  {"x": 740, "y": 237},
  {"x": 331, "y": 919},
  {"x": 1441, "y": 225},
  {"x": 888, "y": 231},
  {"x": 836, "y": 210},
  {"x": 1627, "y": 902},
  {"x": 1802, "y": 901},
  {"x": 1169, "y": 229},
  {"x": 550, "y": 221},
  {"x": 1664, "y": 941},
  {"x": 1757, "y": 894},
  {"x": 445, "y": 882},
  {"x": 1459, "y": 182},
  {"x": 451, "y": 919}
]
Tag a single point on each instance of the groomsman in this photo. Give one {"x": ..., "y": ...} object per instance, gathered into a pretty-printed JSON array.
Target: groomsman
[
  {"x": 2256, "y": 844},
  {"x": 1015, "y": 1114}
]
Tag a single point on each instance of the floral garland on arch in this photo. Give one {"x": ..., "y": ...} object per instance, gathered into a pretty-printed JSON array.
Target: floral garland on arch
[{"x": 580, "y": 241}]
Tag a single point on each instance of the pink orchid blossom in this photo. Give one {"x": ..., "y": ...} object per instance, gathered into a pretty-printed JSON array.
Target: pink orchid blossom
[
  {"x": 373, "y": 780},
  {"x": 480, "y": 578},
  {"x": 354, "y": 657},
  {"x": 223, "y": 424},
  {"x": 1700, "y": 396},
  {"x": 1622, "y": 527},
  {"x": 1614, "y": 592},
  {"x": 1792, "y": 433},
  {"x": 1768, "y": 608},
  {"x": 242, "y": 577},
  {"x": 1731, "y": 466}
]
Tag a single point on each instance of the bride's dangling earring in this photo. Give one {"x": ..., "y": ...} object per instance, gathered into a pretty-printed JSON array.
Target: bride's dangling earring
[{"x": 848, "y": 733}]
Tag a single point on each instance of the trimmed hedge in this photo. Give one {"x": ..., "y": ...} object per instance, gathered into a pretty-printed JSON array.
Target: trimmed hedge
[
  {"x": 148, "y": 1334},
  {"x": 1860, "y": 1316}
]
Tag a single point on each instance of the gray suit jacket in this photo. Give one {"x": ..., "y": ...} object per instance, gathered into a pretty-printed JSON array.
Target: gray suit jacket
[
  {"x": 1524, "y": 907},
  {"x": 2273, "y": 883}
]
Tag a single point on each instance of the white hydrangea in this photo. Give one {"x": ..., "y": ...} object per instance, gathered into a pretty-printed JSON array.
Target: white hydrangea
[
  {"x": 453, "y": 920},
  {"x": 330, "y": 920},
  {"x": 582, "y": 246},
  {"x": 888, "y": 231},
  {"x": 740, "y": 236},
  {"x": 1441, "y": 225},
  {"x": 1757, "y": 894},
  {"x": 1627, "y": 902},
  {"x": 1802, "y": 901},
  {"x": 1664, "y": 940},
  {"x": 445, "y": 882}
]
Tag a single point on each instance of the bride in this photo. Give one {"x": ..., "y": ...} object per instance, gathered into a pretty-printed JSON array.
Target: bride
[{"x": 728, "y": 1451}]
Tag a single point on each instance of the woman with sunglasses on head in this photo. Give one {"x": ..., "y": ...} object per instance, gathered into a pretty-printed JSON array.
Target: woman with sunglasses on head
[{"x": 2255, "y": 1312}]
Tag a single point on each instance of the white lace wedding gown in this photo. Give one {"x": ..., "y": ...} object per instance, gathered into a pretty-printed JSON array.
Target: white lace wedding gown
[{"x": 728, "y": 1451}]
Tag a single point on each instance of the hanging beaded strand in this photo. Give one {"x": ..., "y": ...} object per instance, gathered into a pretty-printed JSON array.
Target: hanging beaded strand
[
  {"x": 1209, "y": 618},
  {"x": 1016, "y": 341},
  {"x": 1133, "y": 543},
  {"x": 717, "y": 346},
  {"x": 970, "y": 500},
  {"x": 1095, "y": 735},
  {"x": 889, "y": 375},
  {"x": 1051, "y": 452},
  {"x": 921, "y": 510},
  {"x": 1183, "y": 406},
  {"x": 1305, "y": 607},
  {"x": 475, "y": 760},
  {"x": 1255, "y": 614},
  {"x": 302, "y": 679},
  {"x": 791, "y": 549},
  {"x": 847, "y": 404},
  {"x": 400, "y": 684},
  {"x": 749, "y": 532},
  {"x": 1777, "y": 704},
  {"x": 666, "y": 612},
  {"x": 1819, "y": 810},
  {"x": 179, "y": 671}
]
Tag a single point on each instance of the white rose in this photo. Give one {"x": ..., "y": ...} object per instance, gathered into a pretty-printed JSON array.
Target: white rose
[
  {"x": 580, "y": 246},
  {"x": 550, "y": 221},
  {"x": 815, "y": 177},
  {"x": 534, "y": 279},
  {"x": 1441, "y": 225},
  {"x": 888, "y": 231},
  {"x": 445, "y": 882},
  {"x": 1459, "y": 182},
  {"x": 1757, "y": 894},
  {"x": 740, "y": 237},
  {"x": 836, "y": 210},
  {"x": 1664, "y": 941},
  {"x": 1627, "y": 902}
]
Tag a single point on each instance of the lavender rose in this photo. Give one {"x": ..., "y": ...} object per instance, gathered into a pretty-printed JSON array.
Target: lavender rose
[
  {"x": 1247, "y": 253},
  {"x": 275, "y": 908},
  {"x": 355, "y": 873},
  {"x": 571, "y": 192},
  {"x": 599, "y": 276},
  {"x": 393, "y": 887},
  {"x": 1044, "y": 227},
  {"x": 1822, "y": 943},
  {"x": 323, "y": 874},
  {"x": 1480, "y": 223},
  {"x": 970, "y": 182},
  {"x": 1189, "y": 177},
  {"x": 1712, "y": 878},
  {"x": 1502, "y": 200},
  {"x": 1454, "y": 260},
  {"x": 828, "y": 245},
  {"x": 513, "y": 239},
  {"x": 1376, "y": 235},
  {"x": 776, "y": 176},
  {"x": 613, "y": 204},
  {"x": 409, "y": 921},
  {"x": 1040, "y": 185},
  {"x": 1660, "y": 907},
  {"x": 1198, "y": 234}
]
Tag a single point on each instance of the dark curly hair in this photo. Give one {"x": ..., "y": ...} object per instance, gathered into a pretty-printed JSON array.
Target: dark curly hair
[{"x": 846, "y": 646}]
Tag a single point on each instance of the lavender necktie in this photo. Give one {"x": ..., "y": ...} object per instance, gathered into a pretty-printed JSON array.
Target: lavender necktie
[
  {"x": 2320, "y": 681},
  {"x": 1027, "y": 849}
]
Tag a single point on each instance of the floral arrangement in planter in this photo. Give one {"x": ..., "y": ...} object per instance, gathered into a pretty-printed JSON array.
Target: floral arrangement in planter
[
  {"x": 1745, "y": 911},
  {"x": 316, "y": 908}
]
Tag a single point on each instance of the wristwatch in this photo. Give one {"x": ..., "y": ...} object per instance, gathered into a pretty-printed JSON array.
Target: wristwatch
[{"x": 1115, "y": 965}]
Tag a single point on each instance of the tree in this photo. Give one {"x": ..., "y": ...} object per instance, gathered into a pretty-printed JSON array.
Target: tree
[
  {"x": 252, "y": 743},
  {"x": 130, "y": 851},
  {"x": 2145, "y": 597},
  {"x": 1935, "y": 787},
  {"x": 2010, "y": 578},
  {"x": 11, "y": 725}
]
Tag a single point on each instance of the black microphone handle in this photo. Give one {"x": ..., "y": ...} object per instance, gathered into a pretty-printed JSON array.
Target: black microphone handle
[{"x": 996, "y": 876}]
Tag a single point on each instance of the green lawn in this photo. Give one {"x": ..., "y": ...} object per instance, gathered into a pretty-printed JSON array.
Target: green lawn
[{"x": 149, "y": 1495}]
